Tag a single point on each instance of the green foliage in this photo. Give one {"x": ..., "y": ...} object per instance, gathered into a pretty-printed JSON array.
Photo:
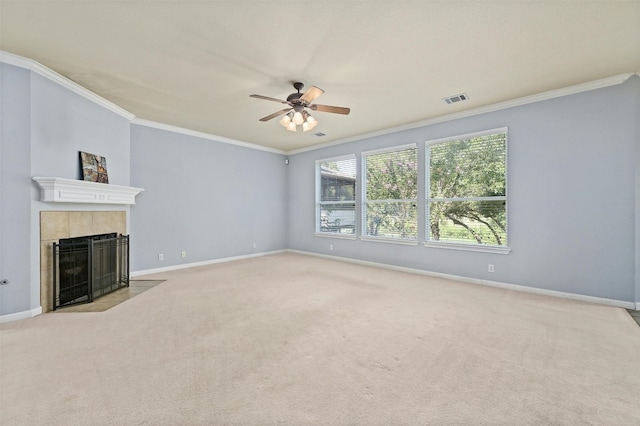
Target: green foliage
[
  {"x": 474, "y": 167},
  {"x": 392, "y": 176}
]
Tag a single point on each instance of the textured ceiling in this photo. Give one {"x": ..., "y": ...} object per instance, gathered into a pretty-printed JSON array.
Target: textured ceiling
[{"x": 193, "y": 64}]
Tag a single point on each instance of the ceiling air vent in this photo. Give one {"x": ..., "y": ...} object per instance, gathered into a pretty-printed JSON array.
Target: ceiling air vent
[{"x": 456, "y": 98}]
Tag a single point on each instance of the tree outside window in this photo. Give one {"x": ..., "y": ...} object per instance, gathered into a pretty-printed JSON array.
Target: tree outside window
[
  {"x": 390, "y": 196},
  {"x": 466, "y": 184}
]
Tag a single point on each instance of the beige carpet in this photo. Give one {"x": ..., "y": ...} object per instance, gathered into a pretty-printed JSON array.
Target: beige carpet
[{"x": 290, "y": 339}]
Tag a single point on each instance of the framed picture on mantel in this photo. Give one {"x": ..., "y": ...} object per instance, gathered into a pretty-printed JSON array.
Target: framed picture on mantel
[{"x": 94, "y": 167}]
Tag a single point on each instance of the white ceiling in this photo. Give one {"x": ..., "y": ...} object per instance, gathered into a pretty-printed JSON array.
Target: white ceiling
[{"x": 193, "y": 64}]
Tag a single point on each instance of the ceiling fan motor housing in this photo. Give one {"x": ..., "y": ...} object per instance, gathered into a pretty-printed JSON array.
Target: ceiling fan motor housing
[{"x": 294, "y": 98}]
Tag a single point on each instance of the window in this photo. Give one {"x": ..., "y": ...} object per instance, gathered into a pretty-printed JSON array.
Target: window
[
  {"x": 390, "y": 194},
  {"x": 336, "y": 196},
  {"x": 467, "y": 190}
]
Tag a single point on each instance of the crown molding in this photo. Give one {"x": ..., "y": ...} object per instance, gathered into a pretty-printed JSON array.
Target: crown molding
[
  {"x": 202, "y": 135},
  {"x": 551, "y": 94},
  {"x": 38, "y": 68}
]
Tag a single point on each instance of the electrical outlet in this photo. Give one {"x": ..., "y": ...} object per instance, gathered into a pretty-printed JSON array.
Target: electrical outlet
[
  {"x": 255, "y": 245},
  {"x": 184, "y": 253},
  {"x": 490, "y": 268},
  {"x": 330, "y": 246},
  {"x": 161, "y": 256}
]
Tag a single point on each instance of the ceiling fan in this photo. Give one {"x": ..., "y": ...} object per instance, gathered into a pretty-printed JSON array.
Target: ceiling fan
[{"x": 297, "y": 114}]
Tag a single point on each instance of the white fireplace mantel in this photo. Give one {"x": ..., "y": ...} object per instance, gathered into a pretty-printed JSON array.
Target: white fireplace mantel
[{"x": 61, "y": 190}]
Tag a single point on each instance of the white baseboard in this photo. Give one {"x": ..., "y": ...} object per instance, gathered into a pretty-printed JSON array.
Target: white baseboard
[
  {"x": 20, "y": 315},
  {"x": 553, "y": 293},
  {"x": 206, "y": 262}
]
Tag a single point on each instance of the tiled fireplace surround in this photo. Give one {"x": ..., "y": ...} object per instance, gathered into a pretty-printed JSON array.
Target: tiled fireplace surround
[{"x": 55, "y": 225}]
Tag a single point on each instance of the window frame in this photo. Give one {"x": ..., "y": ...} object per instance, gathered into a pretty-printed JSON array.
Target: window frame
[
  {"x": 364, "y": 236},
  {"x": 319, "y": 203},
  {"x": 470, "y": 246}
]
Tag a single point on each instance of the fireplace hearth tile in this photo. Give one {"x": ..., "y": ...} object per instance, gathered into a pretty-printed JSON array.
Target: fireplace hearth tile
[
  {"x": 111, "y": 221},
  {"x": 110, "y": 300},
  {"x": 53, "y": 225},
  {"x": 81, "y": 224},
  {"x": 46, "y": 274},
  {"x": 46, "y": 249}
]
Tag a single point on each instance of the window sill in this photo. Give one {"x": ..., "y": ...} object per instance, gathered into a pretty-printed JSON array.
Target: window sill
[
  {"x": 331, "y": 235},
  {"x": 469, "y": 247},
  {"x": 390, "y": 240}
]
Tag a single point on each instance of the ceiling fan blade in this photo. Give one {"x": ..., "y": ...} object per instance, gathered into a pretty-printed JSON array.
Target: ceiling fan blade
[
  {"x": 328, "y": 108},
  {"x": 275, "y": 114},
  {"x": 268, "y": 98},
  {"x": 311, "y": 94}
]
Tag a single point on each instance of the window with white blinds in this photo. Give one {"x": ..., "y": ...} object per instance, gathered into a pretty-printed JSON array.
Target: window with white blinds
[
  {"x": 390, "y": 193},
  {"x": 466, "y": 189},
  {"x": 336, "y": 196}
]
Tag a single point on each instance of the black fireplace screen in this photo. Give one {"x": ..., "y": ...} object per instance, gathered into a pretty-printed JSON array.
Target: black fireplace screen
[{"x": 85, "y": 268}]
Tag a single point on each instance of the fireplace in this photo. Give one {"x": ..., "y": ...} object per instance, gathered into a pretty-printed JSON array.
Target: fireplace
[
  {"x": 61, "y": 225},
  {"x": 88, "y": 267}
]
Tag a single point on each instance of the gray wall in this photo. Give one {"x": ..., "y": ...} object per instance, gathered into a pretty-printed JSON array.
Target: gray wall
[
  {"x": 211, "y": 199},
  {"x": 62, "y": 124},
  {"x": 15, "y": 187},
  {"x": 572, "y": 198},
  {"x": 44, "y": 126}
]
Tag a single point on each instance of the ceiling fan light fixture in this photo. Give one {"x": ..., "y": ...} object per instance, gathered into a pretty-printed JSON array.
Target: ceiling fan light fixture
[
  {"x": 309, "y": 123},
  {"x": 284, "y": 121},
  {"x": 292, "y": 126},
  {"x": 297, "y": 119},
  {"x": 311, "y": 119}
]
